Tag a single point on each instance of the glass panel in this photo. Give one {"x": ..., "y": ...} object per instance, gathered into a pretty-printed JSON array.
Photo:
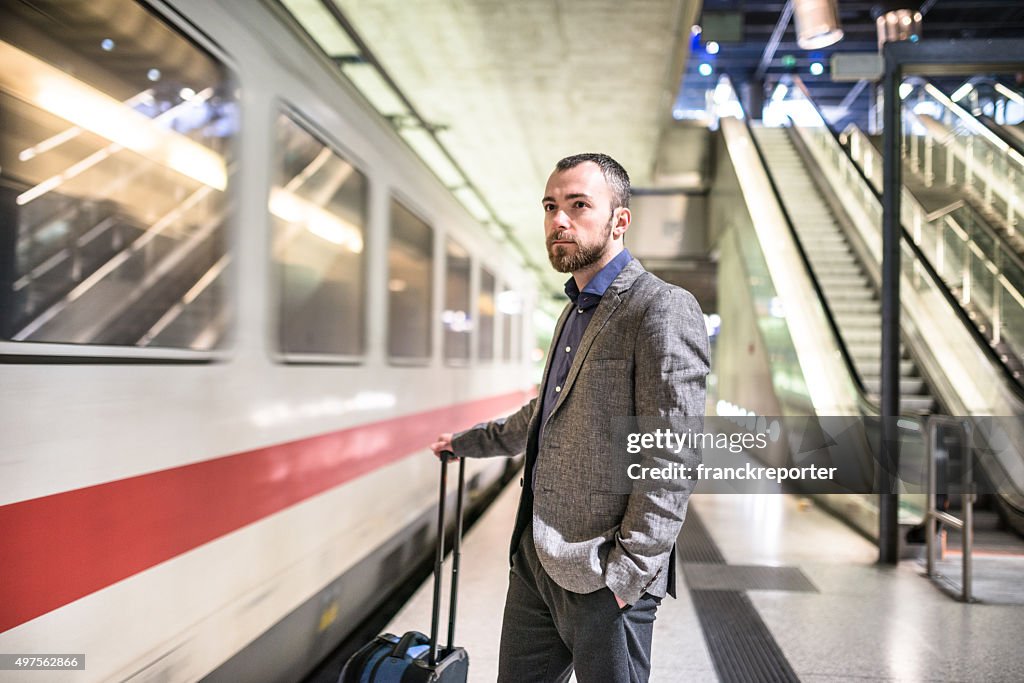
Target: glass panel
[
  {"x": 114, "y": 157},
  {"x": 485, "y": 307},
  {"x": 410, "y": 263},
  {"x": 456, "y": 317},
  {"x": 318, "y": 210}
]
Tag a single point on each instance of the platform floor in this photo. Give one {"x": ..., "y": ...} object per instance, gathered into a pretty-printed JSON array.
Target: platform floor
[{"x": 775, "y": 578}]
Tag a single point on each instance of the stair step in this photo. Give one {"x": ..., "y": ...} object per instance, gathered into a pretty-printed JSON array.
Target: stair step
[
  {"x": 909, "y": 386},
  {"x": 873, "y": 367}
]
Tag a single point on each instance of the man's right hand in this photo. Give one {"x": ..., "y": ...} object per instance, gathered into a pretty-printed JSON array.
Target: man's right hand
[{"x": 443, "y": 443}]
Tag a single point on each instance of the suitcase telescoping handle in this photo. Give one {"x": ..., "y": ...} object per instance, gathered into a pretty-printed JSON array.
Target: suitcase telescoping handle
[{"x": 439, "y": 560}]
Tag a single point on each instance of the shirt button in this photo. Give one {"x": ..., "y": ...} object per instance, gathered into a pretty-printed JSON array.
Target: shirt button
[
  {"x": 557, "y": 389},
  {"x": 568, "y": 349}
]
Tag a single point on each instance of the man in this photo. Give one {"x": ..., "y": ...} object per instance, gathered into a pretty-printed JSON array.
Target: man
[{"x": 592, "y": 552}]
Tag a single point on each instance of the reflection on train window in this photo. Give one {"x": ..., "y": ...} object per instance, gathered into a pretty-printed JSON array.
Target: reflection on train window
[
  {"x": 318, "y": 209},
  {"x": 510, "y": 305},
  {"x": 410, "y": 264},
  {"x": 485, "y": 306},
  {"x": 115, "y": 137},
  {"x": 456, "y": 317}
]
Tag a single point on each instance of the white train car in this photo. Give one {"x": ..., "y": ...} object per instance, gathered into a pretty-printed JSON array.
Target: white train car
[{"x": 234, "y": 310}]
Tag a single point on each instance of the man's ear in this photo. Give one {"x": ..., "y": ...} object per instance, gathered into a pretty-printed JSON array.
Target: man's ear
[{"x": 621, "y": 222}]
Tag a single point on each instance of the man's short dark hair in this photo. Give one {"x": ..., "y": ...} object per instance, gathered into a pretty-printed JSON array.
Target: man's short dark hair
[{"x": 614, "y": 174}]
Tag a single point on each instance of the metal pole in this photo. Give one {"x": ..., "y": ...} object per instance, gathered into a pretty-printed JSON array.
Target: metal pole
[
  {"x": 456, "y": 556},
  {"x": 888, "y": 502},
  {"x": 967, "y": 573},
  {"x": 932, "y": 493},
  {"x": 438, "y": 562}
]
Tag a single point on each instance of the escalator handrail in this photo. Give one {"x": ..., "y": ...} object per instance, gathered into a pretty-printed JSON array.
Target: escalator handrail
[
  {"x": 1000, "y": 132},
  {"x": 818, "y": 290},
  {"x": 1014, "y": 384},
  {"x": 972, "y": 122}
]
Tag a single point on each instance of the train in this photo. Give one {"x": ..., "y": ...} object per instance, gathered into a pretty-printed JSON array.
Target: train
[{"x": 235, "y": 308}]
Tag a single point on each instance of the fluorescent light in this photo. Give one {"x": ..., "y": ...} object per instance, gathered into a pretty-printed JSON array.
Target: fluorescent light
[
  {"x": 962, "y": 92},
  {"x": 471, "y": 200},
  {"x": 322, "y": 27},
  {"x": 905, "y": 90},
  {"x": 375, "y": 89},
  {"x": 292, "y": 208},
  {"x": 424, "y": 144},
  {"x": 47, "y": 87}
]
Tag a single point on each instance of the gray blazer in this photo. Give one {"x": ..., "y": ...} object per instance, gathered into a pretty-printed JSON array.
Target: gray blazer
[{"x": 644, "y": 353}]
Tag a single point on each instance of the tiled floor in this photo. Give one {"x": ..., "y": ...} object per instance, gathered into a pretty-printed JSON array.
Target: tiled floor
[{"x": 863, "y": 622}]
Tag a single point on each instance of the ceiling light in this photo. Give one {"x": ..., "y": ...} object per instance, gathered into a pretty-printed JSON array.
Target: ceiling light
[
  {"x": 107, "y": 44},
  {"x": 962, "y": 92},
  {"x": 153, "y": 75},
  {"x": 817, "y": 68},
  {"x": 817, "y": 23},
  {"x": 898, "y": 24},
  {"x": 695, "y": 29},
  {"x": 712, "y": 47},
  {"x": 905, "y": 90},
  {"x": 705, "y": 69}
]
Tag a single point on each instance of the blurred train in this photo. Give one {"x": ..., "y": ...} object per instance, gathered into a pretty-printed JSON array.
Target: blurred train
[{"x": 234, "y": 309}]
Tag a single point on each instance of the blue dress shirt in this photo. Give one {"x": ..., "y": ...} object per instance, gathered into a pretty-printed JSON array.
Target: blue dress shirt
[{"x": 584, "y": 305}]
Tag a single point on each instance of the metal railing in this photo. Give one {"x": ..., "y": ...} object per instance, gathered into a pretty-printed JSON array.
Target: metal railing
[
  {"x": 948, "y": 146},
  {"x": 982, "y": 270},
  {"x": 933, "y": 515}
]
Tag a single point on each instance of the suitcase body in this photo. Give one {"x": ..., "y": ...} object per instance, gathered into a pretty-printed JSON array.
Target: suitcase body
[
  {"x": 414, "y": 657},
  {"x": 390, "y": 659}
]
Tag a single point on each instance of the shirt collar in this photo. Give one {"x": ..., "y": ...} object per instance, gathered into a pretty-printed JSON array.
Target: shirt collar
[{"x": 598, "y": 285}]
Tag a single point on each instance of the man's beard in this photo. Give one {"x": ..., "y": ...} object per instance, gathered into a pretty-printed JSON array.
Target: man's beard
[{"x": 564, "y": 260}]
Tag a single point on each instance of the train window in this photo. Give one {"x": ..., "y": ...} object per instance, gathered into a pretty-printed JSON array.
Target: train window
[
  {"x": 456, "y": 317},
  {"x": 318, "y": 207},
  {"x": 485, "y": 310},
  {"x": 115, "y": 147},
  {"x": 410, "y": 265}
]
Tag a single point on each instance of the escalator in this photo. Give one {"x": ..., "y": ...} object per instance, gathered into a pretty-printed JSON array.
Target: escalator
[
  {"x": 851, "y": 296},
  {"x": 834, "y": 217}
]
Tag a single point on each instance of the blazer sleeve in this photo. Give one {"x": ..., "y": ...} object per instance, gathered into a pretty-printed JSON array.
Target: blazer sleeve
[
  {"x": 505, "y": 436},
  {"x": 671, "y": 363}
]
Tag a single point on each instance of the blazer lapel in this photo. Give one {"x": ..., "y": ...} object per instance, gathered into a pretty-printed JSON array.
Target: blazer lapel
[{"x": 609, "y": 302}]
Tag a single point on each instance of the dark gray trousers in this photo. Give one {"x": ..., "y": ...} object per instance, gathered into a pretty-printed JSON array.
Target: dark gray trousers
[{"x": 548, "y": 631}]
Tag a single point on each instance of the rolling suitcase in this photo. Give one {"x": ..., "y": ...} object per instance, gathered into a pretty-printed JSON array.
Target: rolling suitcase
[{"x": 413, "y": 657}]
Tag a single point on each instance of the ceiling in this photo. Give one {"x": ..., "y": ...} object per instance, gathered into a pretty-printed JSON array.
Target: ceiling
[
  {"x": 512, "y": 87},
  {"x": 848, "y": 102},
  {"x": 492, "y": 93}
]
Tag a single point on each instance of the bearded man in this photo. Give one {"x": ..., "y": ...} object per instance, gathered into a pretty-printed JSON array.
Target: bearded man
[{"x": 592, "y": 558}]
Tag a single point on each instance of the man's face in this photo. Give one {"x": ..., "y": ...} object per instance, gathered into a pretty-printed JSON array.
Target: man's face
[{"x": 578, "y": 217}]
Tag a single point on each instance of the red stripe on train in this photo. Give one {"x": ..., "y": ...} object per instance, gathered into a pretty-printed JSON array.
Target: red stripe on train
[{"x": 59, "y": 548}]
